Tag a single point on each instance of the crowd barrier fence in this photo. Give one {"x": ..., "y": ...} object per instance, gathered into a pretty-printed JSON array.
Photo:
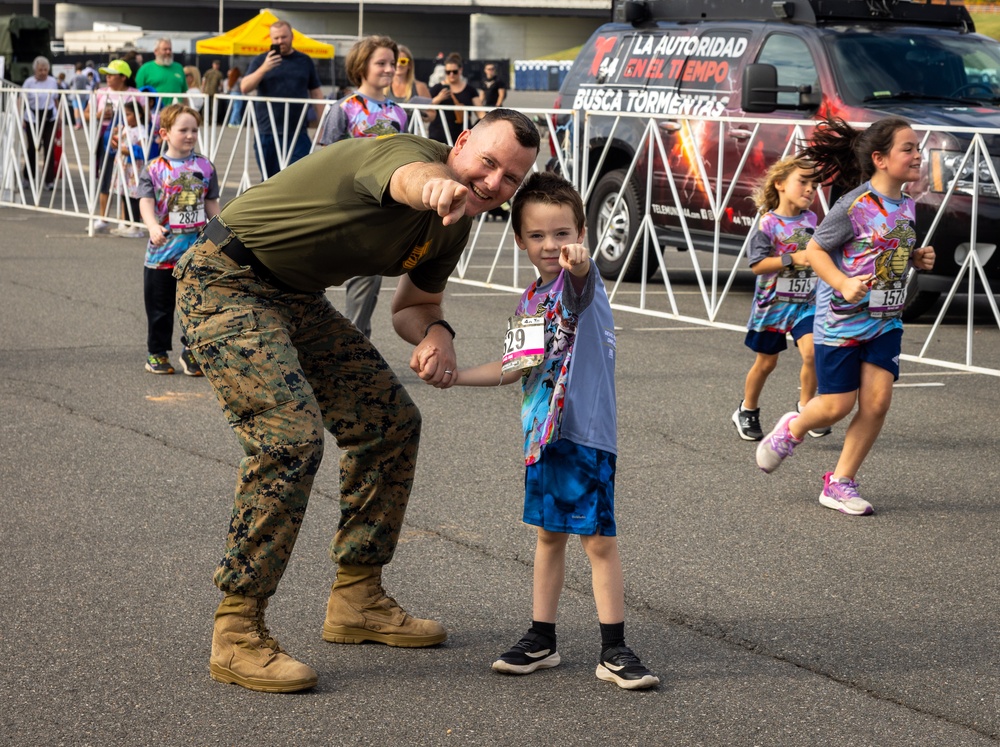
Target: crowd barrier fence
[{"x": 231, "y": 143}]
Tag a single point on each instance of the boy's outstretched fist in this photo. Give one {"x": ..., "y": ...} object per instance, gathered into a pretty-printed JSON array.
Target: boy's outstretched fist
[{"x": 575, "y": 258}]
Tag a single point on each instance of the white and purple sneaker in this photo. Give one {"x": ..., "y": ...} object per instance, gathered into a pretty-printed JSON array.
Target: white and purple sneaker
[
  {"x": 842, "y": 495},
  {"x": 777, "y": 444}
]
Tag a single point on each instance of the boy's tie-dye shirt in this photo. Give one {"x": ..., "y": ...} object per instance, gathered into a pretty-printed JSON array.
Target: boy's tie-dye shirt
[
  {"x": 781, "y": 299},
  {"x": 570, "y": 394},
  {"x": 865, "y": 233},
  {"x": 179, "y": 188}
]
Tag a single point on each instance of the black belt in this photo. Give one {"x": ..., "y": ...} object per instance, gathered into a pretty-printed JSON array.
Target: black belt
[{"x": 229, "y": 244}]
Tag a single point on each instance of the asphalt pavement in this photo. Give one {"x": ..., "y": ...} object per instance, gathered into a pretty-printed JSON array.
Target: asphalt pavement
[{"x": 769, "y": 619}]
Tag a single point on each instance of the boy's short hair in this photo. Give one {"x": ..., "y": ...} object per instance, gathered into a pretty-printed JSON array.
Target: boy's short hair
[
  {"x": 169, "y": 115},
  {"x": 547, "y": 188}
]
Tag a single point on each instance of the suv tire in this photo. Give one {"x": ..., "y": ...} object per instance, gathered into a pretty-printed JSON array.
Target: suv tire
[{"x": 611, "y": 251}]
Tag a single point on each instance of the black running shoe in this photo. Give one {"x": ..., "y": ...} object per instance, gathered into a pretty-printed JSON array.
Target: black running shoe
[
  {"x": 621, "y": 666},
  {"x": 748, "y": 424},
  {"x": 188, "y": 363},
  {"x": 534, "y": 651}
]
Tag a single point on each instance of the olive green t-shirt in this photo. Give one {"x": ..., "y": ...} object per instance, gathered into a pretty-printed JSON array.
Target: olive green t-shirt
[{"x": 330, "y": 217}]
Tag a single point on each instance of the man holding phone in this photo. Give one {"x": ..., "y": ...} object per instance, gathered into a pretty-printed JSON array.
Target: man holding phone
[{"x": 283, "y": 73}]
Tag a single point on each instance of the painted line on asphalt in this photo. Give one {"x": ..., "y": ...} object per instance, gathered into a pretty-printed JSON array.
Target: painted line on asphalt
[{"x": 678, "y": 329}]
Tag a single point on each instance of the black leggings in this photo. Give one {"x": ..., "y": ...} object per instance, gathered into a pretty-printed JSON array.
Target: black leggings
[{"x": 160, "y": 293}]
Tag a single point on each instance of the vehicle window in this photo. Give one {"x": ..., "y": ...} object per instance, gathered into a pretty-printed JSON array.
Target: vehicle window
[
  {"x": 793, "y": 61},
  {"x": 980, "y": 68},
  {"x": 919, "y": 64}
]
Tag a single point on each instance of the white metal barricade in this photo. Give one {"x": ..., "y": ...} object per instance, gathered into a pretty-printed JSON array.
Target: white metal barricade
[{"x": 233, "y": 149}]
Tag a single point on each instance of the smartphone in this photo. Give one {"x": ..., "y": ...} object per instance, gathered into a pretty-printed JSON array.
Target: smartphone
[{"x": 276, "y": 48}]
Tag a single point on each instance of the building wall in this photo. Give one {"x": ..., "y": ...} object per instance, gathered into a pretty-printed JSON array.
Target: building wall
[
  {"x": 425, "y": 34},
  {"x": 526, "y": 37}
]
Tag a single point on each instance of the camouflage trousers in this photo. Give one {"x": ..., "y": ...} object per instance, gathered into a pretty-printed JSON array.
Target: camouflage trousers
[{"x": 284, "y": 366}]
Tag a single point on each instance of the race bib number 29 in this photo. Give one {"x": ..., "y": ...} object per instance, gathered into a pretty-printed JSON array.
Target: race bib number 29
[{"x": 524, "y": 344}]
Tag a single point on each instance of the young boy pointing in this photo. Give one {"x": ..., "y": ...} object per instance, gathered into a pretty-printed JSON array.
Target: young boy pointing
[{"x": 561, "y": 346}]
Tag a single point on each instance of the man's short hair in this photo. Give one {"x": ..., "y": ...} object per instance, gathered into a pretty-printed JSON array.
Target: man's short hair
[
  {"x": 280, "y": 22},
  {"x": 524, "y": 129}
]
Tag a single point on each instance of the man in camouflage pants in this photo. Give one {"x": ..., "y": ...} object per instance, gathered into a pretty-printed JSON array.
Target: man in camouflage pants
[{"x": 286, "y": 365}]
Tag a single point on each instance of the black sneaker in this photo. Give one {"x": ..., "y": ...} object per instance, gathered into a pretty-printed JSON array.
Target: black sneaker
[
  {"x": 621, "y": 666},
  {"x": 534, "y": 651},
  {"x": 188, "y": 364},
  {"x": 748, "y": 424}
]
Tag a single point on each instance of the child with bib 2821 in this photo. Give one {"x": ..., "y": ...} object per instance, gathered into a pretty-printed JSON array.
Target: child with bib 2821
[
  {"x": 561, "y": 346},
  {"x": 785, "y": 295},
  {"x": 178, "y": 194}
]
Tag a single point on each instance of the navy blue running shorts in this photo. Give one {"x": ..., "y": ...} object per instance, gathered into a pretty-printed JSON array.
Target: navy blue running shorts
[
  {"x": 772, "y": 343},
  {"x": 571, "y": 489},
  {"x": 838, "y": 369}
]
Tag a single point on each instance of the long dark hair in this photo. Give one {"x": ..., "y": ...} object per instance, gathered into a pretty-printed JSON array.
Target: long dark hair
[{"x": 843, "y": 155}]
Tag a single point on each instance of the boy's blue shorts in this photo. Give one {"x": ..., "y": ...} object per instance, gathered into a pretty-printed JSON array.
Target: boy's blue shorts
[
  {"x": 838, "y": 369},
  {"x": 772, "y": 343},
  {"x": 571, "y": 489}
]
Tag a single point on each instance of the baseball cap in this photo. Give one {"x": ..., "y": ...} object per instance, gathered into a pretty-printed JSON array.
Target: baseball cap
[{"x": 117, "y": 67}]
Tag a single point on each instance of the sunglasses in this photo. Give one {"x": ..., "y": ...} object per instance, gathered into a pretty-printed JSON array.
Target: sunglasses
[
  {"x": 403, "y": 61},
  {"x": 451, "y": 72}
]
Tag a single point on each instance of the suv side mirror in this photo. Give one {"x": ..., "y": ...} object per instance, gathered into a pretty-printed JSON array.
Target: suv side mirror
[{"x": 760, "y": 91}]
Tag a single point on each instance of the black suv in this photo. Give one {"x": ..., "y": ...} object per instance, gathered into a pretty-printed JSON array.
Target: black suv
[{"x": 790, "y": 59}]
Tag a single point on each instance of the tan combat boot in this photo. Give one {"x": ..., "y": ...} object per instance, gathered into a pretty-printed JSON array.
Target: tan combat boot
[
  {"x": 243, "y": 651},
  {"x": 359, "y": 610}
]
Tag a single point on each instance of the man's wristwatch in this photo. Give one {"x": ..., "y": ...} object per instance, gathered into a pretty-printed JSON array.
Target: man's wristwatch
[
  {"x": 787, "y": 260},
  {"x": 444, "y": 324}
]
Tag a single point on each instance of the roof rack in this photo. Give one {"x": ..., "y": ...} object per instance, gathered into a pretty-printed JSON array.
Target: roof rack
[{"x": 811, "y": 12}]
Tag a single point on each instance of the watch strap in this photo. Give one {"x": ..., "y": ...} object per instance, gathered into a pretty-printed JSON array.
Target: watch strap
[{"x": 444, "y": 324}]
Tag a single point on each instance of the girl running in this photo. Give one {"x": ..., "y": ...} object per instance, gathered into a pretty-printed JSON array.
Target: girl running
[{"x": 862, "y": 253}]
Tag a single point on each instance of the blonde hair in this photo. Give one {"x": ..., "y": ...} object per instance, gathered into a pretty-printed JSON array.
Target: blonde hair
[
  {"x": 169, "y": 115},
  {"x": 411, "y": 73},
  {"x": 195, "y": 74},
  {"x": 766, "y": 196}
]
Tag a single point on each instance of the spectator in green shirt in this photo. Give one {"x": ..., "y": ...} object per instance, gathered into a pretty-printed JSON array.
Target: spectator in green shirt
[{"x": 162, "y": 74}]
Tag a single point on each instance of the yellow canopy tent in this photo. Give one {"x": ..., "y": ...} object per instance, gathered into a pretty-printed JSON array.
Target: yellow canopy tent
[{"x": 252, "y": 38}]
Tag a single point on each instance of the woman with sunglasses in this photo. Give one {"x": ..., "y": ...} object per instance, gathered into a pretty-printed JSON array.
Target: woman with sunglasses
[
  {"x": 405, "y": 88},
  {"x": 404, "y": 83},
  {"x": 455, "y": 91}
]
